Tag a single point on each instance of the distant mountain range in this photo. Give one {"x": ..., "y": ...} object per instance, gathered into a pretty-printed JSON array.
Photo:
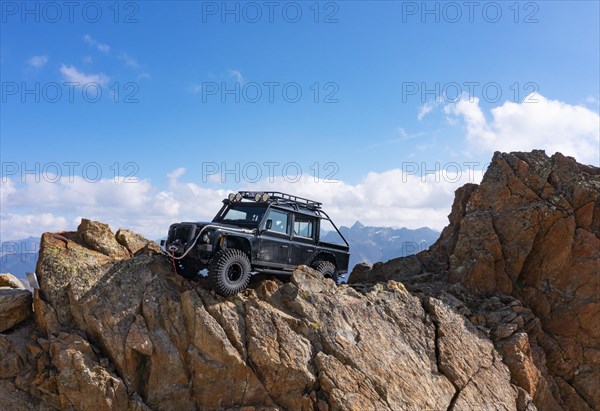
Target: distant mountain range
[
  {"x": 367, "y": 244},
  {"x": 19, "y": 256},
  {"x": 373, "y": 244}
]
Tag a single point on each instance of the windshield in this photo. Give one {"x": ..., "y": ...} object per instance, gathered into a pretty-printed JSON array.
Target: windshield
[{"x": 243, "y": 214}]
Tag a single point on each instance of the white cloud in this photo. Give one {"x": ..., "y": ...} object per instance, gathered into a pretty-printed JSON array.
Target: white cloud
[
  {"x": 104, "y": 48},
  {"x": 174, "y": 175},
  {"x": 38, "y": 61},
  {"x": 129, "y": 61},
  {"x": 19, "y": 226},
  {"x": 237, "y": 75},
  {"x": 8, "y": 189},
  {"x": 392, "y": 198},
  {"x": 424, "y": 110},
  {"x": 428, "y": 107},
  {"x": 71, "y": 74},
  {"x": 551, "y": 125}
]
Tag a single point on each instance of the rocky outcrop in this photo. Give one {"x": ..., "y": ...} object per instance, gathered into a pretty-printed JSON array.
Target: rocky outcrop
[
  {"x": 99, "y": 237},
  {"x": 15, "y": 307},
  {"x": 499, "y": 314},
  {"x": 116, "y": 333},
  {"x": 530, "y": 230},
  {"x": 136, "y": 244},
  {"x": 123, "y": 244}
]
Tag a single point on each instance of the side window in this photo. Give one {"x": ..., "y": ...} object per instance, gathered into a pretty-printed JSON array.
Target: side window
[
  {"x": 303, "y": 226},
  {"x": 279, "y": 221}
]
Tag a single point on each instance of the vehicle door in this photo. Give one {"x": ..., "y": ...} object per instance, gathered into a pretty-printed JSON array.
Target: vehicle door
[
  {"x": 303, "y": 244},
  {"x": 274, "y": 243}
]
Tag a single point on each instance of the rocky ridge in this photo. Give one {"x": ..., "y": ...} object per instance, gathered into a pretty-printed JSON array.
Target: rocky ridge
[
  {"x": 531, "y": 231},
  {"x": 115, "y": 328},
  {"x": 127, "y": 333}
]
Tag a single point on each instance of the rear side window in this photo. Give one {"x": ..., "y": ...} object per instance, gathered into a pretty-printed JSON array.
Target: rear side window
[
  {"x": 279, "y": 221},
  {"x": 304, "y": 226}
]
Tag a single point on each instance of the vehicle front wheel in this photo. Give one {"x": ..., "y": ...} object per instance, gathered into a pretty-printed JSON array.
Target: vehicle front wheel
[
  {"x": 229, "y": 271},
  {"x": 327, "y": 269}
]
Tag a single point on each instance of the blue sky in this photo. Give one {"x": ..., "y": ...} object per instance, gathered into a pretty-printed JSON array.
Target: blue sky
[{"x": 362, "y": 68}]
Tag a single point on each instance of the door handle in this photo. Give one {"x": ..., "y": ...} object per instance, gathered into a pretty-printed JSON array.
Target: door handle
[
  {"x": 310, "y": 250},
  {"x": 284, "y": 246}
]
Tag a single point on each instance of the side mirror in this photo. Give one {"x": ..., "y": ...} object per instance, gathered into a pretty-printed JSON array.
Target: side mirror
[{"x": 269, "y": 224}]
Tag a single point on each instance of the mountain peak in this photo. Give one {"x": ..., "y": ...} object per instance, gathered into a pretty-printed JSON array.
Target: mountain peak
[{"x": 357, "y": 225}]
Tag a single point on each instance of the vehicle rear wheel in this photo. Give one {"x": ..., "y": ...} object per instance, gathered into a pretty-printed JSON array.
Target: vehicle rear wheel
[
  {"x": 327, "y": 268},
  {"x": 229, "y": 271}
]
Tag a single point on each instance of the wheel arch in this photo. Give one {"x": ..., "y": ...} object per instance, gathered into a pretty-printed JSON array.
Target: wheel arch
[
  {"x": 237, "y": 242},
  {"x": 325, "y": 256}
]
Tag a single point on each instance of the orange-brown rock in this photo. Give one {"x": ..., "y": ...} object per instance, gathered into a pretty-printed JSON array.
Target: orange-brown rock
[
  {"x": 531, "y": 229},
  {"x": 99, "y": 237},
  {"x": 9, "y": 280},
  {"x": 15, "y": 307},
  {"x": 135, "y": 243},
  {"x": 119, "y": 333}
]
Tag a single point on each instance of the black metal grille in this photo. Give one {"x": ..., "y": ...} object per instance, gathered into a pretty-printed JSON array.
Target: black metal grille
[{"x": 183, "y": 233}]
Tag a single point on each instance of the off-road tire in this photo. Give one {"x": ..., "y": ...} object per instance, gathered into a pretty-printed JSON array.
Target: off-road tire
[
  {"x": 327, "y": 269},
  {"x": 229, "y": 271},
  {"x": 187, "y": 268}
]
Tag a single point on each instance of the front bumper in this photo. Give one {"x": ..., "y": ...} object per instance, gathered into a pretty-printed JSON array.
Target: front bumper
[{"x": 181, "y": 237}]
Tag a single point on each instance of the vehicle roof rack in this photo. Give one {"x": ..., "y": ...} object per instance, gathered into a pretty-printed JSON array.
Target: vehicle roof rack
[{"x": 280, "y": 198}]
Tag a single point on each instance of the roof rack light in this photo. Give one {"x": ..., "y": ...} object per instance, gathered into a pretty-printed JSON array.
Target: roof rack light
[{"x": 261, "y": 197}]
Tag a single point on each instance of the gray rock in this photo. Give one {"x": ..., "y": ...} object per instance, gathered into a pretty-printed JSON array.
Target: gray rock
[{"x": 15, "y": 307}]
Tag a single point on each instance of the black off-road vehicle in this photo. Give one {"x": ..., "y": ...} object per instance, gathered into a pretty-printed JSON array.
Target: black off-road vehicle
[{"x": 258, "y": 232}]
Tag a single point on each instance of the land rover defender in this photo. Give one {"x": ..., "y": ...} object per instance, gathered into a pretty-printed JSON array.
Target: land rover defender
[{"x": 258, "y": 232}]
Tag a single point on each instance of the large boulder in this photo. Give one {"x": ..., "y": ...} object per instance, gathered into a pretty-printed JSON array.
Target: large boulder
[
  {"x": 99, "y": 237},
  {"x": 15, "y": 307}
]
